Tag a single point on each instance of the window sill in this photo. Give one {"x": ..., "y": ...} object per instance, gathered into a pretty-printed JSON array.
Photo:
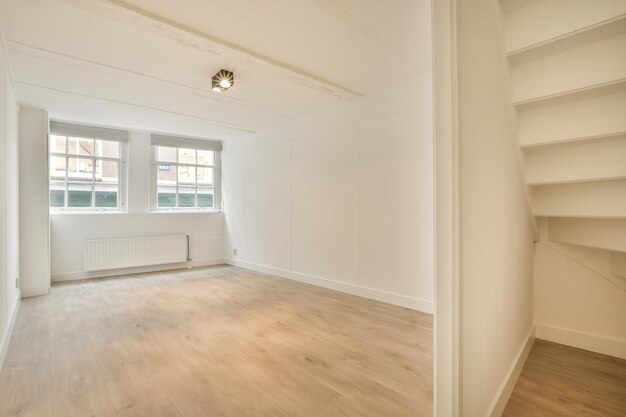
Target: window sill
[
  {"x": 207, "y": 211},
  {"x": 73, "y": 212},
  {"x": 120, "y": 212}
]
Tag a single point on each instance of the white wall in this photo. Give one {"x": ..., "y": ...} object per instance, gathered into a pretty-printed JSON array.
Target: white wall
[
  {"x": 342, "y": 198},
  {"x": 446, "y": 335},
  {"x": 578, "y": 301},
  {"x": 3, "y": 199},
  {"x": 69, "y": 230},
  {"x": 324, "y": 201},
  {"x": 9, "y": 204},
  {"x": 12, "y": 194},
  {"x": 33, "y": 190},
  {"x": 267, "y": 207},
  {"x": 496, "y": 247}
]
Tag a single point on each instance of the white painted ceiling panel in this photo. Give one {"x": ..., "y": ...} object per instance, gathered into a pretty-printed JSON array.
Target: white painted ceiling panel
[
  {"x": 92, "y": 110},
  {"x": 49, "y": 71},
  {"x": 290, "y": 57}
]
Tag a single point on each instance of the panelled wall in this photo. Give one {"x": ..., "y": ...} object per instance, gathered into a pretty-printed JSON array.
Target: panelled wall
[
  {"x": 9, "y": 205},
  {"x": 341, "y": 199}
]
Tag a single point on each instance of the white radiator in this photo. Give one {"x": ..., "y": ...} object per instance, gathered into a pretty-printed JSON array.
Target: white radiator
[{"x": 102, "y": 254}]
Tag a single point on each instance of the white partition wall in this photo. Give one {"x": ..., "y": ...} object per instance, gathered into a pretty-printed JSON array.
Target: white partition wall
[
  {"x": 9, "y": 204},
  {"x": 496, "y": 222},
  {"x": 12, "y": 195},
  {"x": 34, "y": 227}
]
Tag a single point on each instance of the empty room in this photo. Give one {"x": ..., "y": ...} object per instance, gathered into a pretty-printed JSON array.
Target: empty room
[
  {"x": 305, "y": 208},
  {"x": 225, "y": 209}
]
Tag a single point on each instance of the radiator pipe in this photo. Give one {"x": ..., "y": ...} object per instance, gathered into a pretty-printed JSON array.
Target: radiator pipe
[{"x": 188, "y": 253}]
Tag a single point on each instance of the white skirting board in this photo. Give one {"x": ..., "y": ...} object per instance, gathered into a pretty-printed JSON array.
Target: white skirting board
[
  {"x": 506, "y": 388},
  {"x": 73, "y": 276},
  {"x": 425, "y": 306},
  {"x": 6, "y": 339},
  {"x": 587, "y": 341}
]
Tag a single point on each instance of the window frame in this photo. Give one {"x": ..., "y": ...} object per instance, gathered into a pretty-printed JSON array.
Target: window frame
[
  {"x": 196, "y": 145},
  {"x": 121, "y": 172}
]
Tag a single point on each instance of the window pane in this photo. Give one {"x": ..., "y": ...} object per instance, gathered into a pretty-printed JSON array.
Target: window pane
[
  {"x": 79, "y": 195},
  {"x": 86, "y": 147},
  {"x": 166, "y": 197},
  {"x": 166, "y": 154},
  {"x": 88, "y": 174},
  {"x": 186, "y": 197},
  {"x": 57, "y": 167},
  {"x": 80, "y": 146},
  {"x": 186, "y": 156},
  {"x": 80, "y": 168},
  {"x": 206, "y": 157},
  {"x": 205, "y": 176},
  {"x": 57, "y": 194},
  {"x": 107, "y": 148},
  {"x": 205, "y": 197},
  {"x": 106, "y": 195},
  {"x": 107, "y": 171},
  {"x": 186, "y": 175},
  {"x": 57, "y": 144},
  {"x": 166, "y": 174}
]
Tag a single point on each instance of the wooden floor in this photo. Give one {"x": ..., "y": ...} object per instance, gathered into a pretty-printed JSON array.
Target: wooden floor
[
  {"x": 561, "y": 381},
  {"x": 218, "y": 341}
]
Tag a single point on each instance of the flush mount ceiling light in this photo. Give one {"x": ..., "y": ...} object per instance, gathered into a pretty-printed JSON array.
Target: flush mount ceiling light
[{"x": 223, "y": 80}]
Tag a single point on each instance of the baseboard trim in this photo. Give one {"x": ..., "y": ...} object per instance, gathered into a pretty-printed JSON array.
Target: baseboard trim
[
  {"x": 35, "y": 291},
  {"x": 6, "y": 339},
  {"x": 506, "y": 388},
  {"x": 373, "y": 294},
  {"x": 78, "y": 275},
  {"x": 581, "y": 340}
]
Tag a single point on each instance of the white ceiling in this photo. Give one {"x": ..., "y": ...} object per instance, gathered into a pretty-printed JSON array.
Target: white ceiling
[{"x": 147, "y": 64}]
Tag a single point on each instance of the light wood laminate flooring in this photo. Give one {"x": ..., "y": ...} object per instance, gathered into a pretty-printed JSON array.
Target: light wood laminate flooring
[
  {"x": 217, "y": 341},
  {"x": 562, "y": 381}
]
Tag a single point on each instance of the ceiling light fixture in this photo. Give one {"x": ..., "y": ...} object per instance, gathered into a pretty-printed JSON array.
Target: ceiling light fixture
[{"x": 223, "y": 80}]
